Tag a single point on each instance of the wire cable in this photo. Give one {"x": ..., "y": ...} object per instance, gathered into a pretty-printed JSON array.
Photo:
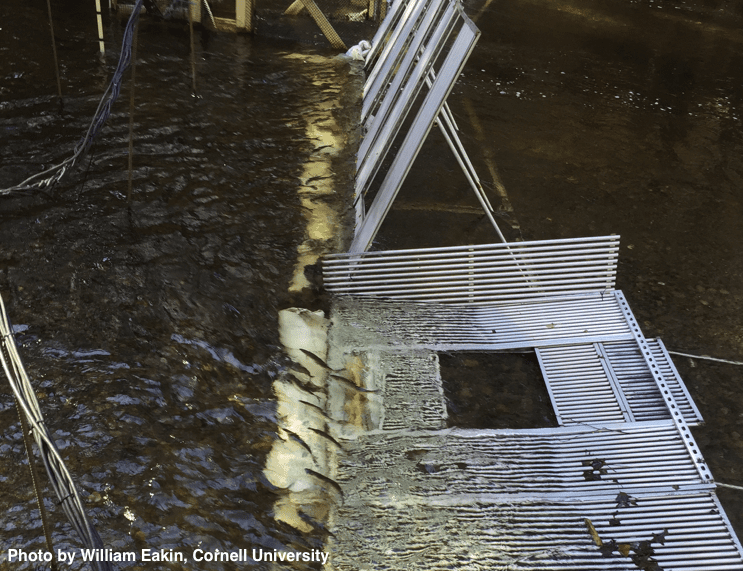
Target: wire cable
[
  {"x": 59, "y": 477},
  {"x": 54, "y": 174}
]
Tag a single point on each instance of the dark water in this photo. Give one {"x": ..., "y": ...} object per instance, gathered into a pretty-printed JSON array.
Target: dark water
[{"x": 151, "y": 330}]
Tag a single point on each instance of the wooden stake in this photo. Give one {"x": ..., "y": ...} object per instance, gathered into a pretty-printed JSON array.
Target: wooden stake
[
  {"x": 54, "y": 51},
  {"x": 131, "y": 115}
]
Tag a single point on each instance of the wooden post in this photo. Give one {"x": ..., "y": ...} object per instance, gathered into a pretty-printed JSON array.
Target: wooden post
[
  {"x": 244, "y": 10},
  {"x": 194, "y": 9},
  {"x": 322, "y": 21}
]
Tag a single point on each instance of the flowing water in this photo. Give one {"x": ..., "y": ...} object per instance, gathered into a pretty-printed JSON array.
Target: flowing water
[{"x": 150, "y": 330}]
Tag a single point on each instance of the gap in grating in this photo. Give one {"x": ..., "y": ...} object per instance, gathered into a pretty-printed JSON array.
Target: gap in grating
[{"x": 495, "y": 390}]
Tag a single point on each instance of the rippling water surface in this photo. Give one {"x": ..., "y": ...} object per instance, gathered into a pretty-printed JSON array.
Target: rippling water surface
[{"x": 150, "y": 330}]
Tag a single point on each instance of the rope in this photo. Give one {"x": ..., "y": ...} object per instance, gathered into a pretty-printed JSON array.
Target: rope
[
  {"x": 59, "y": 477},
  {"x": 53, "y": 174},
  {"x": 706, "y": 358}
]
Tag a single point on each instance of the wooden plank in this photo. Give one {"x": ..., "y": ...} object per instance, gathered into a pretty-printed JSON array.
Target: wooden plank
[{"x": 322, "y": 22}]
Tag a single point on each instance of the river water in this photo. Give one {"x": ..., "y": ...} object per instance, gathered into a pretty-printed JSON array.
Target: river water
[{"x": 151, "y": 330}]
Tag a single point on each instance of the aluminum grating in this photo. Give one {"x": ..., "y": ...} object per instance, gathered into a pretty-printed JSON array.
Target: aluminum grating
[
  {"x": 538, "y": 534},
  {"x": 478, "y": 274},
  {"x": 620, "y": 485},
  {"x": 576, "y": 461},
  {"x": 579, "y": 386},
  {"x": 413, "y": 396},
  {"x": 586, "y": 318}
]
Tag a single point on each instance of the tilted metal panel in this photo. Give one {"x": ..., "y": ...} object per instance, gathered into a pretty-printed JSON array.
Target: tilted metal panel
[
  {"x": 401, "y": 92},
  {"x": 489, "y": 272},
  {"x": 385, "y": 35},
  {"x": 446, "y": 75}
]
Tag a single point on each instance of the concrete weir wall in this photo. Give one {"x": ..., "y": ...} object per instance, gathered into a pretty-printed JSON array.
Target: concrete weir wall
[{"x": 300, "y": 462}]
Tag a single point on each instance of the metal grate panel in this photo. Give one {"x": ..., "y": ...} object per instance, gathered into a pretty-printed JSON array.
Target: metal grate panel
[
  {"x": 579, "y": 386},
  {"x": 579, "y": 319},
  {"x": 413, "y": 396},
  {"x": 639, "y": 387},
  {"x": 478, "y": 274},
  {"x": 575, "y": 461},
  {"x": 538, "y": 534}
]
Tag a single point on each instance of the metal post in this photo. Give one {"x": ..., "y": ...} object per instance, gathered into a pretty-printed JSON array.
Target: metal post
[{"x": 100, "y": 27}]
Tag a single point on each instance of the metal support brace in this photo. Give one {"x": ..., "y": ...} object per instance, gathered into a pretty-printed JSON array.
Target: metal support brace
[
  {"x": 450, "y": 134},
  {"x": 665, "y": 391},
  {"x": 616, "y": 387}
]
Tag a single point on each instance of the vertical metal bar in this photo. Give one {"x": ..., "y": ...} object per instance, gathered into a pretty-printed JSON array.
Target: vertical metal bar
[
  {"x": 54, "y": 51},
  {"x": 193, "y": 49},
  {"x": 100, "y": 27},
  {"x": 244, "y": 14},
  {"x": 131, "y": 114},
  {"x": 194, "y": 11}
]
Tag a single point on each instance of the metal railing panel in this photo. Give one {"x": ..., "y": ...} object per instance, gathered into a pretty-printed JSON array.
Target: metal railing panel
[
  {"x": 429, "y": 110},
  {"x": 489, "y": 272},
  {"x": 401, "y": 92}
]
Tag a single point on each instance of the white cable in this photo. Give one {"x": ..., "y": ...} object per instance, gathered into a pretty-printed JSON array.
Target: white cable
[{"x": 706, "y": 358}]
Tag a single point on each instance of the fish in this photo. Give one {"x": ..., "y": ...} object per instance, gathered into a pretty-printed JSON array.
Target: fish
[
  {"x": 335, "y": 485},
  {"x": 300, "y": 369},
  {"x": 326, "y": 435},
  {"x": 319, "y": 409},
  {"x": 317, "y": 359},
  {"x": 296, "y": 438},
  {"x": 316, "y": 525},
  {"x": 352, "y": 385},
  {"x": 306, "y": 387}
]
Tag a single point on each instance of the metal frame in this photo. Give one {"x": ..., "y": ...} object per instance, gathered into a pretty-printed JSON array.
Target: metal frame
[
  {"x": 623, "y": 458},
  {"x": 404, "y": 53}
]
